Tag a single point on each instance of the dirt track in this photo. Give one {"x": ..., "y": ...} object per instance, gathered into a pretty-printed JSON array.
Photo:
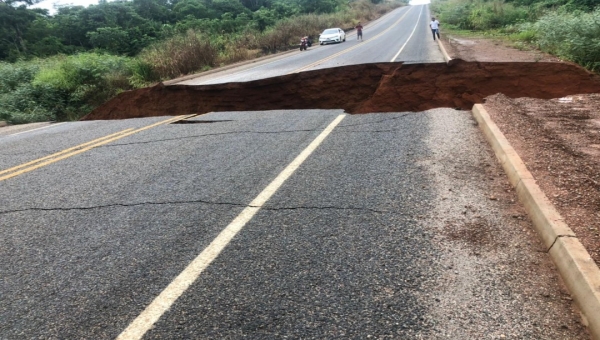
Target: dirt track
[{"x": 382, "y": 87}]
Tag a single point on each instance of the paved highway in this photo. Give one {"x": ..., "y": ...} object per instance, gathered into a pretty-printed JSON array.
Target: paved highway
[
  {"x": 266, "y": 225},
  {"x": 402, "y": 35}
]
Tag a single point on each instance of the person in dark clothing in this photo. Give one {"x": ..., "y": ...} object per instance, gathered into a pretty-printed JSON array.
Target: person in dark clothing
[{"x": 359, "y": 29}]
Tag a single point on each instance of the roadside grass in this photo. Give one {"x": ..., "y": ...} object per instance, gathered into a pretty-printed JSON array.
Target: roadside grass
[
  {"x": 565, "y": 30},
  {"x": 60, "y": 87}
]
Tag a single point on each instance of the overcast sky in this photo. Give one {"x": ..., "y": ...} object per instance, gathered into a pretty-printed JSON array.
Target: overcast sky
[{"x": 50, "y": 4}]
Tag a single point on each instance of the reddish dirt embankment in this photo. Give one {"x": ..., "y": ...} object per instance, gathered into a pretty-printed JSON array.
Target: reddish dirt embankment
[
  {"x": 559, "y": 141},
  {"x": 383, "y": 87}
]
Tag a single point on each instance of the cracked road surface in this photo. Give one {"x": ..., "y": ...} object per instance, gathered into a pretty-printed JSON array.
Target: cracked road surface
[{"x": 398, "y": 225}]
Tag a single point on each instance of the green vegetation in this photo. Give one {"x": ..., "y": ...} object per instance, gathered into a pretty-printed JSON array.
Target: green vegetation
[
  {"x": 568, "y": 29},
  {"x": 60, "y": 67},
  {"x": 61, "y": 87}
]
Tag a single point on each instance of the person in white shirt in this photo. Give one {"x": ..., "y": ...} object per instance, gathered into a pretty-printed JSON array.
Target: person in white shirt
[{"x": 435, "y": 28}]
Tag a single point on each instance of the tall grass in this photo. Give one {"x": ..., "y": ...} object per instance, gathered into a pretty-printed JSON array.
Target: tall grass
[
  {"x": 568, "y": 33},
  {"x": 17, "y": 95},
  {"x": 288, "y": 32},
  {"x": 572, "y": 36},
  {"x": 61, "y": 87},
  {"x": 179, "y": 55},
  {"x": 479, "y": 14}
]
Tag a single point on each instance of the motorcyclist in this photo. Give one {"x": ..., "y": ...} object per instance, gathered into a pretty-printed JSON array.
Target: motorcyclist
[{"x": 304, "y": 43}]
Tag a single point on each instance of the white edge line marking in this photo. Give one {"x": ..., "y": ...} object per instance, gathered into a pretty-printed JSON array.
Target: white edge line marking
[
  {"x": 43, "y": 127},
  {"x": 407, "y": 40},
  {"x": 186, "y": 278}
]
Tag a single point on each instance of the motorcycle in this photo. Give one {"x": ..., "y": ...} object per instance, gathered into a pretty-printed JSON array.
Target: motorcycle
[{"x": 303, "y": 44}]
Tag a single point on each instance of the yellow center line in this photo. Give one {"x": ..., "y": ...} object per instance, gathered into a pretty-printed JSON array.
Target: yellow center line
[
  {"x": 352, "y": 48},
  {"x": 61, "y": 152},
  {"x": 41, "y": 162}
]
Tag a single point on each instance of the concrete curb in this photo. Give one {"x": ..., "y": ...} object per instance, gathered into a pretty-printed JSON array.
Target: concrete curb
[
  {"x": 577, "y": 269},
  {"x": 446, "y": 55}
]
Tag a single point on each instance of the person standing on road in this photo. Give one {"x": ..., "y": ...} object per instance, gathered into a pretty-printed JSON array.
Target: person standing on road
[
  {"x": 435, "y": 28},
  {"x": 359, "y": 29}
]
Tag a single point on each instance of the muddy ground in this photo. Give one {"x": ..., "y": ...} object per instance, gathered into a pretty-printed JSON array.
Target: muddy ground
[{"x": 558, "y": 139}]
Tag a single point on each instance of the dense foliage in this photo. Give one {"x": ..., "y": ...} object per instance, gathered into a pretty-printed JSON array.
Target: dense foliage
[
  {"x": 569, "y": 29},
  {"x": 61, "y": 87},
  {"x": 60, "y": 67},
  {"x": 126, "y": 27}
]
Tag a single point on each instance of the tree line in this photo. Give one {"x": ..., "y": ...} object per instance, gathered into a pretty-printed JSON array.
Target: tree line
[{"x": 126, "y": 27}]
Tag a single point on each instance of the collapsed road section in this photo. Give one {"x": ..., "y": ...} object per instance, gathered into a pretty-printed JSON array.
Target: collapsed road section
[{"x": 379, "y": 87}]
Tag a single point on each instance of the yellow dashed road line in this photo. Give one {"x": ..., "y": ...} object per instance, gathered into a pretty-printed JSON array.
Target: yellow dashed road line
[{"x": 53, "y": 158}]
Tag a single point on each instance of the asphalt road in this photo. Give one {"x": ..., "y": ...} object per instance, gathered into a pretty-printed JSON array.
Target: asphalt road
[
  {"x": 401, "y": 36},
  {"x": 396, "y": 225}
]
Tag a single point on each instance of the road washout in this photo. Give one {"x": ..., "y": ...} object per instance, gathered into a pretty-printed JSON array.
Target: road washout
[{"x": 365, "y": 88}]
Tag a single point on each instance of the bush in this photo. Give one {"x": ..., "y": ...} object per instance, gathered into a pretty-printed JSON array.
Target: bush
[
  {"x": 60, "y": 88},
  {"x": 572, "y": 36},
  {"x": 480, "y": 14},
  {"x": 180, "y": 55},
  {"x": 81, "y": 82},
  {"x": 287, "y": 32},
  {"x": 18, "y": 98}
]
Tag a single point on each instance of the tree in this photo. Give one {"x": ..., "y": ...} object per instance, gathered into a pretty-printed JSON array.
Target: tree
[
  {"x": 22, "y": 2},
  {"x": 192, "y": 8},
  {"x": 14, "y": 22}
]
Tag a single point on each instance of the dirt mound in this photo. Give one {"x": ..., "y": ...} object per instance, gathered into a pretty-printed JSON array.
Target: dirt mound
[{"x": 382, "y": 87}]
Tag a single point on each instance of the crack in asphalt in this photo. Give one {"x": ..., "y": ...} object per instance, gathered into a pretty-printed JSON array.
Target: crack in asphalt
[
  {"x": 206, "y": 135},
  {"x": 127, "y": 205},
  {"x": 246, "y": 131}
]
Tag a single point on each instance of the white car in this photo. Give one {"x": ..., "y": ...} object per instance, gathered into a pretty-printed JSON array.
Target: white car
[{"x": 332, "y": 35}]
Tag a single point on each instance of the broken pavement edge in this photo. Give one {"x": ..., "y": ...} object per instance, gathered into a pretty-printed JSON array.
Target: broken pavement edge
[{"x": 578, "y": 270}]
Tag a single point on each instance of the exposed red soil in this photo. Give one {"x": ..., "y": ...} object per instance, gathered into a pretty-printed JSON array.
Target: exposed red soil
[
  {"x": 559, "y": 141},
  {"x": 382, "y": 87}
]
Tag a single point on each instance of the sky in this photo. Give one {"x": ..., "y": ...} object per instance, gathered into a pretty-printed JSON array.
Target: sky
[{"x": 49, "y": 4}]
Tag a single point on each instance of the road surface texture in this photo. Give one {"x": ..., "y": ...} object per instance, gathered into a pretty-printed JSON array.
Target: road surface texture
[{"x": 397, "y": 225}]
